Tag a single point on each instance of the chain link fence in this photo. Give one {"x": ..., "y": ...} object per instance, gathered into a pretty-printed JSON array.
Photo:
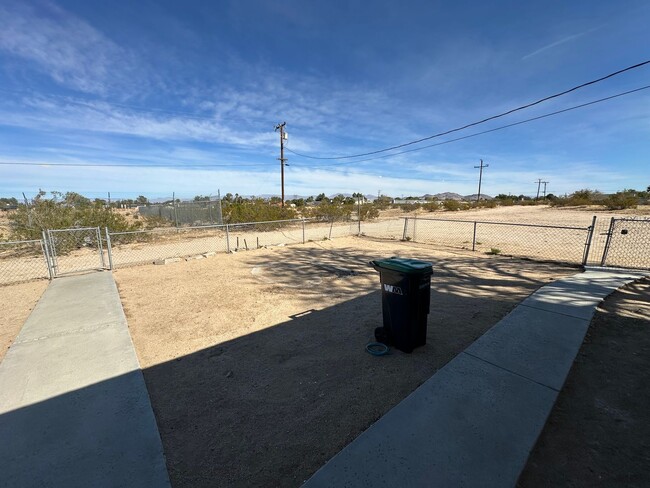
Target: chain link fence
[
  {"x": 22, "y": 261},
  {"x": 620, "y": 242},
  {"x": 534, "y": 241},
  {"x": 149, "y": 246},
  {"x": 186, "y": 213},
  {"x": 74, "y": 250},
  {"x": 627, "y": 244}
]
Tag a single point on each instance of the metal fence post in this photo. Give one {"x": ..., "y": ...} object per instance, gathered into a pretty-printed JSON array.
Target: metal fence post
[
  {"x": 98, "y": 234},
  {"x": 474, "y": 237},
  {"x": 590, "y": 235},
  {"x": 415, "y": 223},
  {"x": 303, "y": 231},
  {"x": 109, "y": 249},
  {"x": 608, "y": 241},
  {"x": 46, "y": 254},
  {"x": 227, "y": 239},
  {"x": 406, "y": 221},
  {"x": 51, "y": 246}
]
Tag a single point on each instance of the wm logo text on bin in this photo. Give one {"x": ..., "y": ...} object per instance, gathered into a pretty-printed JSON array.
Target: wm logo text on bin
[{"x": 393, "y": 289}]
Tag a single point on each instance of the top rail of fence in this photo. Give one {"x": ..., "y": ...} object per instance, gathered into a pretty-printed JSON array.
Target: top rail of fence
[
  {"x": 518, "y": 224},
  {"x": 203, "y": 227},
  {"x": 232, "y": 224},
  {"x": 20, "y": 242},
  {"x": 632, "y": 219},
  {"x": 72, "y": 229},
  {"x": 167, "y": 229}
]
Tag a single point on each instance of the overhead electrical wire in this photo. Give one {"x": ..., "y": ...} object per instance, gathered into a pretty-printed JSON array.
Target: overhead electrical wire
[
  {"x": 139, "y": 165},
  {"x": 475, "y": 134},
  {"x": 487, "y": 119}
]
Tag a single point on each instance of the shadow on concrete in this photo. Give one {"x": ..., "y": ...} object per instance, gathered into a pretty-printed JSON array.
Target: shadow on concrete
[
  {"x": 36, "y": 457},
  {"x": 271, "y": 407}
]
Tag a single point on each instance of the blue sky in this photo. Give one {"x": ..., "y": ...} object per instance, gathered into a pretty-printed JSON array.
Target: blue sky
[{"x": 183, "y": 96}]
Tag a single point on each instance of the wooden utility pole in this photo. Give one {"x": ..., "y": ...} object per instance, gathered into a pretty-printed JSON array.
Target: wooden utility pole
[
  {"x": 480, "y": 178},
  {"x": 545, "y": 183},
  {"x": 539, "y": 183},
  {"x": 283, "y": 136}
]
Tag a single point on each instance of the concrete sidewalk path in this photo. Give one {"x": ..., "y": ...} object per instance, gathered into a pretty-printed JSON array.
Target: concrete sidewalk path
[
  {"x": 74, "y": 408},
  {"x": 474, "y": 422}
]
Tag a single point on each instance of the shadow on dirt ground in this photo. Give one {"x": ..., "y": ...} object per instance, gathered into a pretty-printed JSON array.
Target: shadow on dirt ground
[
  {"x": 598, "y": 434},
  {"x": 269, "y": 408}
]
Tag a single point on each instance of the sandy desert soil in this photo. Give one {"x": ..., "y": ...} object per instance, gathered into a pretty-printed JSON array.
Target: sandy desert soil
[
  {"x": 598, "y": 434},
  {"x": 255, "y": 361},
  {"x": 16, "y": 303}
]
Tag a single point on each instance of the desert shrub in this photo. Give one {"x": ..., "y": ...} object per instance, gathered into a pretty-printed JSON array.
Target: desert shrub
[
  {"x": 330, "y": 212},
  {"x": 256, "y": 210},
  {"x": 451, "y": 205},
  {"x": 621, "y": 200},
  {"x": 484, "y": 204},
  {"x": 383, "y": 202},
  {"x": 155, "y": 221},
  {"x": 580, "y": 197},
  {"x": 29, "y": 222},
  {"x": 431, "y": 206},
  {"x": 369, "y": 211},
  {"x": 409, "y": 207}
]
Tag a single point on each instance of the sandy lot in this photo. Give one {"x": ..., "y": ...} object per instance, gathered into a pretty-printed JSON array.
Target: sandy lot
[
  {"x": 598, "y": 434},
  {"x": 255, "y": 362},
  {"x": 16, "y": 303}
]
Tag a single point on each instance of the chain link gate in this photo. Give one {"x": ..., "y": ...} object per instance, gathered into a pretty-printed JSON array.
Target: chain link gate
[
  {"x": 628, "y": 244},
  {"x": 74, "y": 250}
]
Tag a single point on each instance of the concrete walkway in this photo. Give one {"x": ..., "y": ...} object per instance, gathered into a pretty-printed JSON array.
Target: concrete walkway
[
  {"x": 74, "y": 408},
  {"x": 476, "y": 420}
]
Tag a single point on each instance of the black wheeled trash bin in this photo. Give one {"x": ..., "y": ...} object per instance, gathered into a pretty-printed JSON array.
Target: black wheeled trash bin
[{"x": 405, "y": 299}]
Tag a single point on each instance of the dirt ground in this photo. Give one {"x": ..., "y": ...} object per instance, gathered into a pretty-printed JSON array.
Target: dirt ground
[
  {"x": 255, "y": 361},
  {"x": 16, "y": 303},
  {"x": 598, "y": 434}
]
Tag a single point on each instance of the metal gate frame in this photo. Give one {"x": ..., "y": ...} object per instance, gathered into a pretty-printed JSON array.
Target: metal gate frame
[
  {"x": 610, "y": 235},
  {"x": 53, "y": 255}
]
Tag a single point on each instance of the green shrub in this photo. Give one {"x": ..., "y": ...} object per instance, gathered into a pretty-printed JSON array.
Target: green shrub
[
  {"x": 621, "y": 200},
  {"x": 451, "y": 205},
  {"x": 369, "y": 211},
  {"x": 29, "y": 222},
  {"x": 409, "y": 207},
  {"x": 257, "y": 210},
  {"x": 330, "y": 212},
  {"x": 484, "y": 204},
  {"x": 431, "y": 206},
  {"x": 580, "y": 197}
]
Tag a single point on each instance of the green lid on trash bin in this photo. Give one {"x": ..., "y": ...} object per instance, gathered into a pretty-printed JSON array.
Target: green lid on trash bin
[{"x": 404, "y": 265}]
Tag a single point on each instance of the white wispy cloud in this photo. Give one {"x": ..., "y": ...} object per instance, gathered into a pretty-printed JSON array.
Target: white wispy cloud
[
  {"x": 68, "y": 49},
  {"x": 559, "y": 42}
]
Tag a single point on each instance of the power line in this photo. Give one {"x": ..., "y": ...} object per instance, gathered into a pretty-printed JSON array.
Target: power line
[
  {"x": 532, "y": 119},
  {"x": 522, "y": 107},
  {"x": 136, "y": 165}
]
